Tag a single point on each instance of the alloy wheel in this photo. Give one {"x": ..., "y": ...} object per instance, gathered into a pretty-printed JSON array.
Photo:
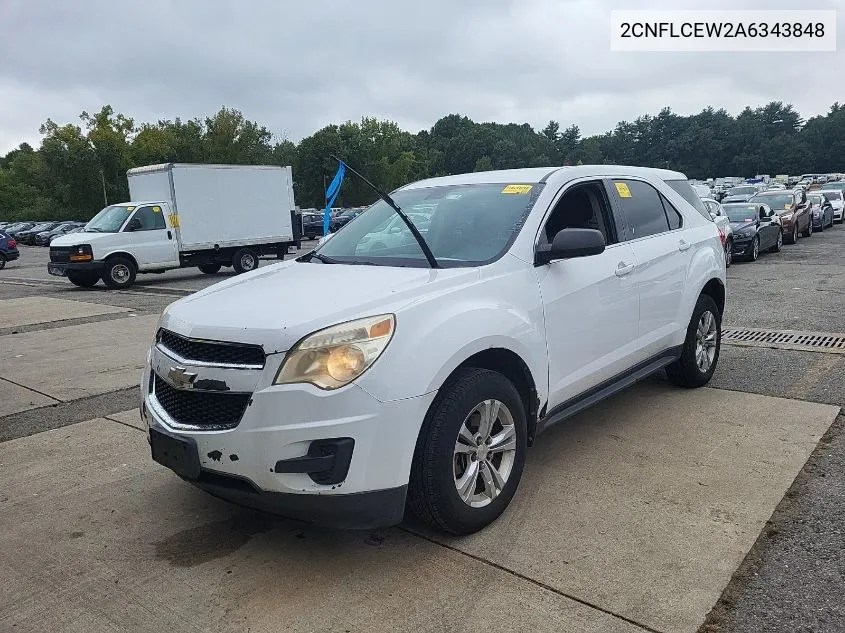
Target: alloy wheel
[
  {"x": 484, "y": 455},
  {"x": 705, "y": 342},
  {"x": 120, "y": 273},
  {"x": 755, "y": 246}
]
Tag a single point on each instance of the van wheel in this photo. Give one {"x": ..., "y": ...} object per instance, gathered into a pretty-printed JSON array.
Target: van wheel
[
  {"x": 83, "y": 278},
  {"x": 470, "y": 453},
  {"x": 701, "y": 348},
  {"x": 210, "y": 269},
  {"x": 119, "y": 273},
  {"x": 245, "y": 259}
]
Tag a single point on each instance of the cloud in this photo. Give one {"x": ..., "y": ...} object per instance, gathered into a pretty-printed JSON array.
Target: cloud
[{"x": 296, "y": 67}]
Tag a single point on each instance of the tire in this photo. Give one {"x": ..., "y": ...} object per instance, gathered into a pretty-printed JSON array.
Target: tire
[
  {"x": 433, "y": 493},
  {"x": 244, "y": 260},
  {"x": 2, "y": 261},
  {"x": 119, "y": 273},
  {"x": 809, "y": 231},
  {"x": 792, "y": 239},
  {"x": 729, "y": 253},
  {"x": 210, "y": 269},
  {"x": 821, "y": 229},
  {"x": 755, "y": 249},
  {"x": 778, "y": 244},
  {"x": 83, "y": 278},
  {"x": 686, "y": 371}
]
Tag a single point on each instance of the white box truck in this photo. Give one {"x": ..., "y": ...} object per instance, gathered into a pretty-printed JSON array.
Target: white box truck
[{"x": 182, "y": 216}]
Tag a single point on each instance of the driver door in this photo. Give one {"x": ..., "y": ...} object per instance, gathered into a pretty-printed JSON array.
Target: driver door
[{"x": 153, "y": 244}]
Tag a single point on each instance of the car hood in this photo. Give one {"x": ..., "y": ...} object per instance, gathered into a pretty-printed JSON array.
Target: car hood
[
  {"x": 739, "y": 226},
  {"x": 74, "y": 239},
  {"x": 277, "y": 305}
]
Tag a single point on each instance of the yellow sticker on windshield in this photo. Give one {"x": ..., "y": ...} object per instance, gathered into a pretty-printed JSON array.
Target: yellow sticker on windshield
[
  {"x": 129, "y": 209},
  {"x": 622, "y": 190},
  {"x": 517, "y": 189},
  {"x": 787, "y": 206},
  {"x": 156, "y": 209}
]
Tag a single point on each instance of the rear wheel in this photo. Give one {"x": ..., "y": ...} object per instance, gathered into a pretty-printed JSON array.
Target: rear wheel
[
  {"x": 119, "y": 273},
  {"x": 2, "y": 261},
  {"x": 700, "y": 353},
  {"x": 83, "y": 278},
  {"x": 210, "y": 269},
  {"x": 470, "y": 453},
  {"x": 245, "y": 259}
]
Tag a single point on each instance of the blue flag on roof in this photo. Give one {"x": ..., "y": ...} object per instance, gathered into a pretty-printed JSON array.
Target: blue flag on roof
[{"x": 331, "y": 195}]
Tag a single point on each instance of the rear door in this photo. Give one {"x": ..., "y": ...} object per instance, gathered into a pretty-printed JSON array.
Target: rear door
[
  {"x": 654, "y": 230},
  {"x": 153, "y": 244}
]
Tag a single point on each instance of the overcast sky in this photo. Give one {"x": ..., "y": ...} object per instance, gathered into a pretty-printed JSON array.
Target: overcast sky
[{"x": 297, "y": 65}]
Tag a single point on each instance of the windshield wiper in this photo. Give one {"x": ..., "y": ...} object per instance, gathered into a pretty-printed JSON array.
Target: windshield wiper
[
  {"x": 432, "y": 262},
  {"x": 322, "y": 258}
]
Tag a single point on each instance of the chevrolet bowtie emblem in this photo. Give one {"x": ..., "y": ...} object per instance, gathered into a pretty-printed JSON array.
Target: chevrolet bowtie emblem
[{"x": 180, "y": 378}]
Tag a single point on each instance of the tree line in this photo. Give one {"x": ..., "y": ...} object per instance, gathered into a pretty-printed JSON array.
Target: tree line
[{"x": 79, "y": 166}]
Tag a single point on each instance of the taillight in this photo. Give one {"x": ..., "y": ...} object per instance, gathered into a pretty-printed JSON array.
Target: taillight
[
  {"x": 12, "y": 243},
  {"x": 722, "y": 236}
]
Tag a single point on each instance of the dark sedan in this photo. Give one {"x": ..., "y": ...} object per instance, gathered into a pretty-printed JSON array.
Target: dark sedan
[
  {"x": 28, "y": 236},
  {"x": 344, "y": 218},
  {"x": 312, "y": 225},
  {"x": 793, "y": 209},
  {"x": 821, "y": 209},
  {"x": 14, "y": 229},
  {"x": 8, "y": 249},
  {"x": 756, "y": 227},
  {"x": 45, "y": 237}
]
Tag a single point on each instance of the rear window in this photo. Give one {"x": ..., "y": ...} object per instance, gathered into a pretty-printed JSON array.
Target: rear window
[{"x": 684, "y": 189}]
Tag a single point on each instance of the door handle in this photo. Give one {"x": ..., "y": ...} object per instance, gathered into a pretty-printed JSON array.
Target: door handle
[
  {"x": 623, "y": 269},
  {"x": 169, "y": 235},
  {"x": 683, "y": 245}
]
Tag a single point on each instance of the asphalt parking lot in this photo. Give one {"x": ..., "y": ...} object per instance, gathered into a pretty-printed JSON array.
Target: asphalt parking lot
[{"x": 659, "y": 510}]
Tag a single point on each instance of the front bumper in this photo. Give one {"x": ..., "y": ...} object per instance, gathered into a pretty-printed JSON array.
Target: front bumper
[
  {"x": 742, "y": 246},
  {"x": 60, "y": 269},
  {"x": 282, "y": 423}
]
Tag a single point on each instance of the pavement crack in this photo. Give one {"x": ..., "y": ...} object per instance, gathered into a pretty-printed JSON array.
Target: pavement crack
[
  {"x": 533, "y": 581},
  {"x": 40, "y": 393},
  {"x": 126, "y": 424}
]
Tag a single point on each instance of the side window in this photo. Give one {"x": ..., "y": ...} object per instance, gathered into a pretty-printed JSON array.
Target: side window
[
  {"x": 672, "y": 214},
  {"x": 150, "y": 218},
  {"x": 642, "y": 206},
  {"x": 583, "y": 206}
]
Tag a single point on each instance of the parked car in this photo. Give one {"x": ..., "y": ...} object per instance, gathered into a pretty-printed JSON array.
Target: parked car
[
  {"x": 312, "y": 225},
  {"x": 756, "y": 228},
  {"x": 393, "y": 233},
  {"x": 343, "y": 219},
  {"x": 8, "y": 249},
  {"x": 44, "y": 238},
  {"x": 821, "y": 210},
  {"x": 424, "y": 375},
  {"x": 836, "y": 197},
  {"x": 741, "y": 193},
  {"x": 793, "y": 209},
  {"x": 19, "y": 227},
  {"x": 724, "y": 223},
  {"x": 76, "y": 229},
  {"x": 28, "y": 236}
]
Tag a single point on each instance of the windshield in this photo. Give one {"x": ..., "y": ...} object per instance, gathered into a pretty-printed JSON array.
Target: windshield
[
  {"x": 833, "y": 195},
  {"x": 741, "y": 212},
  {"x": 775, "y": 201},
  {"x": 741, "y": 191},
  {"x": 42, "y": 227},
  {"x": 815, "y": 200},
  {"x": 464, "y": 225},
  {"x": 110, "y": 219}
]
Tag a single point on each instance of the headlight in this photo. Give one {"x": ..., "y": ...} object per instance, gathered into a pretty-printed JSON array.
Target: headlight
[
  {"x": 337, "y": 355},
  {"x": 786, "y": 217}
]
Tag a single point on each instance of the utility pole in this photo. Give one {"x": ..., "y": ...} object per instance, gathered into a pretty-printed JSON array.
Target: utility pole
[{"x": 103, "y": 179}]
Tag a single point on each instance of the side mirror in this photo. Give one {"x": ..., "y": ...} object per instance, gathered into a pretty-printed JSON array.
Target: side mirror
[
  {"x": 569, "y": 243},
  {"x": 134, "y": 225}
]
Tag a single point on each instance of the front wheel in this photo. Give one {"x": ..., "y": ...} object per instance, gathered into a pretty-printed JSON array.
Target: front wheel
[
  {"x": 245, "y": 260},
  {"x": 119, "y": 273},
  {"x": 809, "y": 230},
  {"x": 778, "y": 243},
  {"x": 793, "y": 238},
  {"x": 83, "y": 278},
  {"x": 700, "y": 352},
  {"x": 755, "y": 249},
  {"x": 729, "y": 253},
  {"x": 470, "y": 453}
]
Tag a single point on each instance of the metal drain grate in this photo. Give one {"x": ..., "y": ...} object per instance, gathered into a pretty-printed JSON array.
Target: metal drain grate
[{"x": 806, "y": 341}]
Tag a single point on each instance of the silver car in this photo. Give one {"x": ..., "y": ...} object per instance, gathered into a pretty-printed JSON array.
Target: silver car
[{"x": 724, "y": 224}]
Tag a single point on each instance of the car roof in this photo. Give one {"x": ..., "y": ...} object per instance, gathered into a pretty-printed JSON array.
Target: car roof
[{"x": 543, "y": 174}]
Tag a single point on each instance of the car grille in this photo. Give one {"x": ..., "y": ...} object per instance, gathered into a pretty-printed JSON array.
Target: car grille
[
  {"x": 60, "y": 254},
  {"x": 211, "y": 352},
  {"x": 207, "y": 410}
]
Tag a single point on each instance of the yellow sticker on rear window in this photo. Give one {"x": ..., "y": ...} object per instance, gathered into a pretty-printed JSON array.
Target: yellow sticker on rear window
[
  {"x": 622, "y": 190},
  {"x": 129, "y": 209},
  {"x": 156, "y": 209},
  {"x": 517, "y": 189}
]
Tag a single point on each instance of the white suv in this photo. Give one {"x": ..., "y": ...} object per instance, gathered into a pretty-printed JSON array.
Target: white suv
[{"x": 423, "y": 377}]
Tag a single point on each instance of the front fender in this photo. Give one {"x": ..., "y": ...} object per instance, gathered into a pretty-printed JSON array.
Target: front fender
[{"x": 434, "y": 337}]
